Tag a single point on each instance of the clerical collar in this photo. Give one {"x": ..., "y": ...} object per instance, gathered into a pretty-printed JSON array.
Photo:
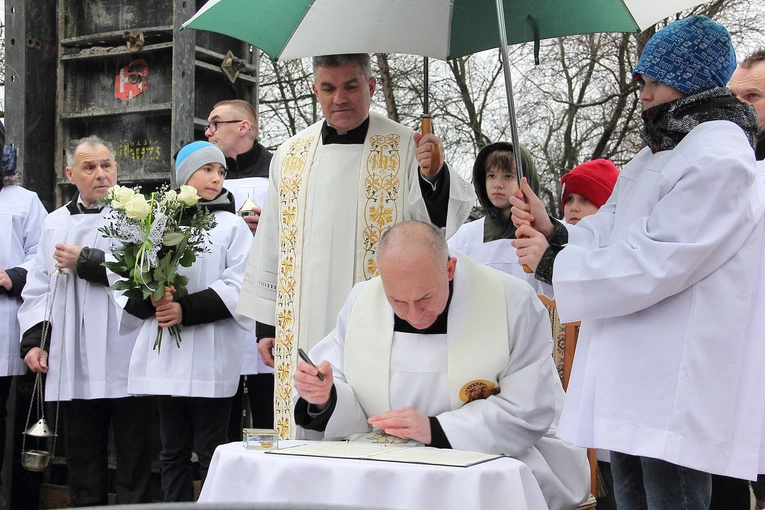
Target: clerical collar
[
  {"x": 437, "y": 328},
  {"x": 77, "y": 206},
  {"x": 354, "y": 136}
]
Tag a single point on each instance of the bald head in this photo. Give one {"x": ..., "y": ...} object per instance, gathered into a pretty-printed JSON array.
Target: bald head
[
  {"x": 415, "y": 268},
  {"x": 401, "y": 240}
]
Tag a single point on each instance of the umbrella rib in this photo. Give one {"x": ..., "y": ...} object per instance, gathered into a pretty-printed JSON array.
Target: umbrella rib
[{"x": 294, "y": 30}]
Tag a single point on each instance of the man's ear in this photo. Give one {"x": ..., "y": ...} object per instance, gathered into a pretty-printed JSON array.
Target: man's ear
[
  {"x": 372, "y": 86},
  {"x": 451, "y": 266},
  {"x": 315, "y": 90},
  {"x": 70, "y": 174},
  {"x": 245, "y": 126}
]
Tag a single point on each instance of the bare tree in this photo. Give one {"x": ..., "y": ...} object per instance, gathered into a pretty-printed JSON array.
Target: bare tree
[{"x": 580, "y": 103}]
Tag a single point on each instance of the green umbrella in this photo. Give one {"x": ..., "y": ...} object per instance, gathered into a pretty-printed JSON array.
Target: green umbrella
[{"x": 444, "y": 29}]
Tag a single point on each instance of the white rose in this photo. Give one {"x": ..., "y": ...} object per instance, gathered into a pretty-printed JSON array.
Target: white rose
[
  {"x": 188, "y": 195},
  {"x": 120, "y": 196},
  {"x": 137, "y": 207}
]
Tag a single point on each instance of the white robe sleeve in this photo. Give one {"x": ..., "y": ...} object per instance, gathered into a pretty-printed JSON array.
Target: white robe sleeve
[
  {"x": 33, "y": 229},
  {"x": 32, "y": 310},
  {"x": 514, "y": 420},
  {"x": 701, "y": 218}
]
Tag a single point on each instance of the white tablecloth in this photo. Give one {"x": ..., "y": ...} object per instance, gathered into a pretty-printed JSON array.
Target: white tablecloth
[{"x": 237, "y": 475}]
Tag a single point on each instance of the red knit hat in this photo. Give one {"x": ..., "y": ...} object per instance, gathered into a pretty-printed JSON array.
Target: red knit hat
[{"x": 594, "y": 180}]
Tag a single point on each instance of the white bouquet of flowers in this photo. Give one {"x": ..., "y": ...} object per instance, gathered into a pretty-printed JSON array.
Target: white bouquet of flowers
[{"x": 150, "y": 242}]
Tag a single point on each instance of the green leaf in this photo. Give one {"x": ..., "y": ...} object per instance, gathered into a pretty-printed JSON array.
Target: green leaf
[
  {"x": 117, "y": 268},
  {"x": 159, "y": 273},
  {"x": 144, "y": 278},
  {"x": 129, "y": 258},
  {"x": 181, "y": 282},
  {"x": 122, "y": 285},
  {"x": 172, "y": 239},
  {"x": 159, "y": 293},
  {"x": 187, "y": 259},
  {"x": 134, "y": 293}
]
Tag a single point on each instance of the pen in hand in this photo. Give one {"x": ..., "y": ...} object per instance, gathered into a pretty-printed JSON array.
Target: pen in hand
[{"x": 305, "y": 358}]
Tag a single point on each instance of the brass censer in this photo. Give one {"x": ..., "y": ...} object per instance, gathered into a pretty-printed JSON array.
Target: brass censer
[{"x": 39, "y": 459}]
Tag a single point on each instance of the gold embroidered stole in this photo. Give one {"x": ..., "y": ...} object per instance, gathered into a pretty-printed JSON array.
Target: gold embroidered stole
[
  {"x": 379, "y": 206},
  {"x": 477, "y": 334},
  {"x": 381, "y": 198}
]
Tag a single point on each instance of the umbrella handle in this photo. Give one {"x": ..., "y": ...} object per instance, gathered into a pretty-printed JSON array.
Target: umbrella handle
[
  {"x": 527, "y": 269},
  {"x": 427, "y": 128}
]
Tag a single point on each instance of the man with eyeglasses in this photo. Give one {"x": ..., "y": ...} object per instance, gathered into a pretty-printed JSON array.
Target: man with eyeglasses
[{"x": 233, "y": 127}]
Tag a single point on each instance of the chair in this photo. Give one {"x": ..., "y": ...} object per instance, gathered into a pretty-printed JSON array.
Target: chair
[{"x": 564, "y": 344}]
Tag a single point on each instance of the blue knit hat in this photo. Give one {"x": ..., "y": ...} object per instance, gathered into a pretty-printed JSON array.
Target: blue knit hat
[
  {"x": 194, "y": 156},
  {"x": 692, "y": 55}
]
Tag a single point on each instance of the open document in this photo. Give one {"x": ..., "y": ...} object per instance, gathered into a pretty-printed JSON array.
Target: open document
[{"x": 413, "y": 453}]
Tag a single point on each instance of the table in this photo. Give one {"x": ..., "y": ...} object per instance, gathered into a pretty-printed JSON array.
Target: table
[{"x": 237, "y": 475}]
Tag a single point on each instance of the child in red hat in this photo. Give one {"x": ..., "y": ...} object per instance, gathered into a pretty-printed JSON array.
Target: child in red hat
[{"x": 586, "y": 188}]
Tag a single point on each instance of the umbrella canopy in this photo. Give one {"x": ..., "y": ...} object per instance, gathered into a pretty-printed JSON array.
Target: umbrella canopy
[{"x": 445, "y": 29}]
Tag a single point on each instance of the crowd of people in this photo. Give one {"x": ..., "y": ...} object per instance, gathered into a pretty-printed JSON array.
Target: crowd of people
[{"x": 421, "y": 325}]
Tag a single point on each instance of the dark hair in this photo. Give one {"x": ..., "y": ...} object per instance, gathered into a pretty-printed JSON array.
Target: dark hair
[
  {"x": 501, "y": 160},
  {"x": 360, "y": 59},
  {"x": 757, "y": 56}
]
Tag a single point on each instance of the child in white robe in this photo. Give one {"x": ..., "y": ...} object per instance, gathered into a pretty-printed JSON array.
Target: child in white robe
[
  {"x": 487, "y": 240},
  {"x": 195, "y": 382},
  {"x": 584, "y": 190}
]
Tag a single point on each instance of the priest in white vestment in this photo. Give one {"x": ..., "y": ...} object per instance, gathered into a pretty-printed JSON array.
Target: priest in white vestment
[
  {"x": 85, "y": 356},
  {"x": 447, "y": 352},
  {"x": 334, "y": 188}
]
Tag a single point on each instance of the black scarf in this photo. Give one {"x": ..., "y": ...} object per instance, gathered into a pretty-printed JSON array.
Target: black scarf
[{"x": 665, "y": 125}]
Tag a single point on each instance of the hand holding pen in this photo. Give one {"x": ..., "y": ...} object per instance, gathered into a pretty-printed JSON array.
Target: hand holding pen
[
  {"x": 305, "y": 358},
  {"x": 313, "y": 383}
]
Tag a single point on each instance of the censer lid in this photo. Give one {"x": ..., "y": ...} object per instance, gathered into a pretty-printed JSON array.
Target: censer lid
[{"x": 40, "y": 429}]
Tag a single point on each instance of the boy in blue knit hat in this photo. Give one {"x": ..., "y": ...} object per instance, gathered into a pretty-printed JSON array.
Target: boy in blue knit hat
[
  {"x": 195, "y": 382},
  {"x": 664, "y": 278}
]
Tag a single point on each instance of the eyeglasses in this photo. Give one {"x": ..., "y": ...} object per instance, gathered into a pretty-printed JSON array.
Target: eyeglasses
[{"x": 213, "y": 126}]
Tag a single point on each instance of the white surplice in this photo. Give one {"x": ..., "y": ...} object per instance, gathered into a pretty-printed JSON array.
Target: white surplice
[
  {"x": 668, "y": 279},
  {"x": 325, "y": 209},
  {"x": 21, "y": 220},
  {"x": 208, "y": 362},
  {"x": 520, "y": 421},
  {"x": 499, "y": 253},
  {"x": 95, "y": 356},
  {"x": 253, "y": 188}
]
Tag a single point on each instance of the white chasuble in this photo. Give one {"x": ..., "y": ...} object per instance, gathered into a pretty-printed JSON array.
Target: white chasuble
[
  {"x": 86, "y": 352},
  {"x": 325, "y": 211},
  {"x": 468, "y": 370},
  {"x": 431, "y": 373},
  {"x": 21, "y": 220}
]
